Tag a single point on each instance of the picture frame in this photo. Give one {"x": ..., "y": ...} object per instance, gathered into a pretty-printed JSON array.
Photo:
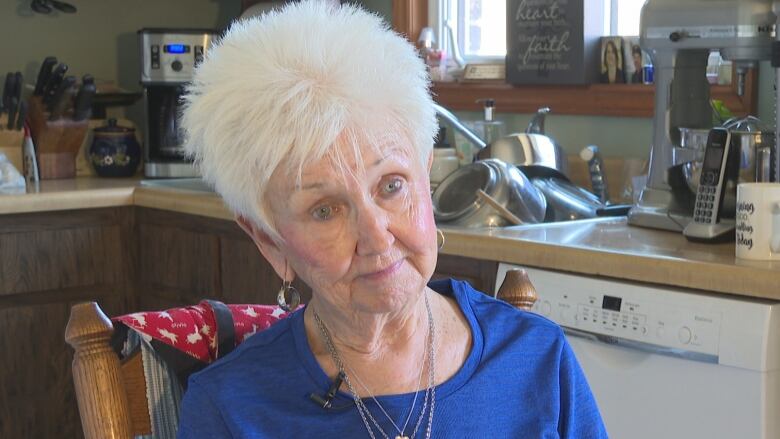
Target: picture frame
[
  {"x": 634, "y": 61},
  {"x": 610, "y": 64}
]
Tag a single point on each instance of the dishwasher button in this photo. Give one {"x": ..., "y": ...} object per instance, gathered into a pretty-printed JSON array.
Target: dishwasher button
[
  {"x": 684, "y": 334},
  {"x": 568, "y": 316}
]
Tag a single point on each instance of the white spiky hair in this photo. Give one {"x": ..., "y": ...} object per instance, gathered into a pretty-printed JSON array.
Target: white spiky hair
[{"x": 285, "y": 87}]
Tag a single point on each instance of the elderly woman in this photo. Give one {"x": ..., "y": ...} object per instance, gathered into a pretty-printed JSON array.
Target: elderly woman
[{"x": 316, "y": 126}]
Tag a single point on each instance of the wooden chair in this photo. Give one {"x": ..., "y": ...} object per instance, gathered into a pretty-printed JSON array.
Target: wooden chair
[{"x": 112, "y": 395}]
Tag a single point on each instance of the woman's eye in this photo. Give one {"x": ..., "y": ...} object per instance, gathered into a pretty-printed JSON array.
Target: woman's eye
[
  {"x": 323, "y": 212},
  {"x": 392, "y": 186}
]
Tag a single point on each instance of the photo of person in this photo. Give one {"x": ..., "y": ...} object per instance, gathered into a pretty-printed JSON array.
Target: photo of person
[
  {"x": 636, "y": 61},
  {"x": 612, "y": 61}
]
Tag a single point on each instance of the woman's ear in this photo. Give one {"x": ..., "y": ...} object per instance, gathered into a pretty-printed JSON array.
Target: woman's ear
[{"x": 269, "y": 249}]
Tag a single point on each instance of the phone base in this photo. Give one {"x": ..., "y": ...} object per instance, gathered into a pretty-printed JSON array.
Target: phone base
[{"x": 719, "y": 232}]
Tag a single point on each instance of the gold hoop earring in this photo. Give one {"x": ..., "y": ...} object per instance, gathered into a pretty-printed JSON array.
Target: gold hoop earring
[
  {"x": 439, "y": 238},
  {"x": 295, "y": 297}
]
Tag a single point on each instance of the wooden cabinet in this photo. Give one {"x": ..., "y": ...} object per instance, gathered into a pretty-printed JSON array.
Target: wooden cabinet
[
  {"x": 126, "y": 259},
  {"x": 186, "y": 258},
  {"x": 47, "y": 263},
  {"x": 480, "y": 274}
]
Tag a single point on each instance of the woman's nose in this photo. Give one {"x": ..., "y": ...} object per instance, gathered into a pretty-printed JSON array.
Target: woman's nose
[{"x": 373, "y": 230}]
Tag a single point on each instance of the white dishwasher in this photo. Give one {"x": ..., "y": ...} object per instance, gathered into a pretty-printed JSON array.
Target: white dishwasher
[{"x": 667, "y": 363}]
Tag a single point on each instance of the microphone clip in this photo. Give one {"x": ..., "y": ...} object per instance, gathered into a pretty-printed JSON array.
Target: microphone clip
[{"x": 326, "y": 402}]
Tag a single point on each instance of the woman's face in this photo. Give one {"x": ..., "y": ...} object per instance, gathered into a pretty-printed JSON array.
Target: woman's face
[{"x": 364, "y": 239}]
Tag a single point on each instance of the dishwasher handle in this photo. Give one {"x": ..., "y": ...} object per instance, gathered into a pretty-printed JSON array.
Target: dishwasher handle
[{"x": 641, "y": 346}]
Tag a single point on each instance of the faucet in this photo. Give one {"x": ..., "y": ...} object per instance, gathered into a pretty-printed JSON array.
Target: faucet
[
  {"x": 459, "y": 127},
  {"x": 536, "y": 126}
]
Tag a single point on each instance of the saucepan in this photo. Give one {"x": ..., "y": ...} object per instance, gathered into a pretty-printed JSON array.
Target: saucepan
[
  {"x": 540, "y": 160},
  {"x": 531, "y": 148},
  {"x": 468, "y": 197}
]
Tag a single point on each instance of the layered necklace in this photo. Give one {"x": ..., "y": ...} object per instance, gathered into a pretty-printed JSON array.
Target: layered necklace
[{"x": 430, "y": 392}]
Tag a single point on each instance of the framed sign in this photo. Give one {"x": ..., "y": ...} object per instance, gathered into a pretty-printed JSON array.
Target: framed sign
[{"x": 553, "y": 41}]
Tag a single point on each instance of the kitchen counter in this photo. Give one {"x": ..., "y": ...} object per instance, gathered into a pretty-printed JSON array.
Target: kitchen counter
[
  {"x": 601, "y": 247},
  {"x": 69, "y": 194},
  {"x": 610, "y": 247}
]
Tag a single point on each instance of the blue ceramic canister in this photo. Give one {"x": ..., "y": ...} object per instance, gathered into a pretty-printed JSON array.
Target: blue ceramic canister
[{"x": 114, "y": 152}]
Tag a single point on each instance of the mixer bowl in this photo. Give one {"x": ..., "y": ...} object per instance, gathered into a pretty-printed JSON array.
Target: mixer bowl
[{"x": 749, "y": 143}]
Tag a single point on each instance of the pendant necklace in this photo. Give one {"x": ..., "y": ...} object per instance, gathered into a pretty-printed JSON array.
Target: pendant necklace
[
  {"x": 365, "y": 413},
  {"x": 414, "y": 400}
]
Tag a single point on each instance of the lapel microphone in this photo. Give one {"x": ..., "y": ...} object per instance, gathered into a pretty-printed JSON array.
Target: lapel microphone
[{"x": 326, "y": 402}]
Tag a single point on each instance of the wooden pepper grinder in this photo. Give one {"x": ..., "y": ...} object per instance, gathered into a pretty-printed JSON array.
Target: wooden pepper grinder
[{"x": 517, "y": 289}]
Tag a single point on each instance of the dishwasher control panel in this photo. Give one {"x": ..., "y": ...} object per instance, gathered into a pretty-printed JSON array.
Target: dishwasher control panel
[{"x": 611, "y": 310}]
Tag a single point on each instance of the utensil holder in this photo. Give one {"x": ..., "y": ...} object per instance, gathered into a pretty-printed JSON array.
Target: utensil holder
[{"x": 56, "y": 141}]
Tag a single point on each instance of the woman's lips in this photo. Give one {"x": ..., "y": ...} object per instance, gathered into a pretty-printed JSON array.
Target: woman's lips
[{"x": 385, "y": 272}]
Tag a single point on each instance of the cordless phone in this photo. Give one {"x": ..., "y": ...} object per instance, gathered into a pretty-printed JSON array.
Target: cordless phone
[{"x": 707, "y": 224}]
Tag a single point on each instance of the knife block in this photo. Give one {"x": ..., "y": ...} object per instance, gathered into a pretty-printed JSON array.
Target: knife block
[{"x": 56, "y": 141}]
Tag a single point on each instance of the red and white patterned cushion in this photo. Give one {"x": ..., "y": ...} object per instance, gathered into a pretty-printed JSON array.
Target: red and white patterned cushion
[{"x": 192, "y": 329}]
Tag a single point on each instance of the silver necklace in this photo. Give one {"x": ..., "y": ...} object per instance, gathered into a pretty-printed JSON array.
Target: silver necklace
[
  {"x": 400, "y": 430},
  {"x": 365, "y": 413}
]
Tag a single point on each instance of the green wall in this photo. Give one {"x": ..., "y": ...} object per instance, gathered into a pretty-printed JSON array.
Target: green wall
[
  {"x": 101, "y": 37},
  {"x": 381, "y": 7}
]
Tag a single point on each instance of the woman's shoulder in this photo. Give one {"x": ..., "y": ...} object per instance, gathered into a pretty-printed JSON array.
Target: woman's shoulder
[
  {"x": 269, "y": 346},
  {"x": 496, "y": 316}
]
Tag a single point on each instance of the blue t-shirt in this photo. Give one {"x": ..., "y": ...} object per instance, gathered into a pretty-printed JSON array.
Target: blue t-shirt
[{"x": 520, "y": 380}]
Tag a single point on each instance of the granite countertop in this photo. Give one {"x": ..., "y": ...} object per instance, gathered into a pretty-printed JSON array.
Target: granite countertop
[{"x": 602, "y": 247}]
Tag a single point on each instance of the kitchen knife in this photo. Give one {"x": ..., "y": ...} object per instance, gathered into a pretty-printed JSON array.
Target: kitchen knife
[
  {"x": 44, "y": 74},
  {"x": 18, "y": 85},
  {"x": 83, "y": 106},
  {"x": 8, "y": 89},
  {"x": 22, "y": 115},
  {"x": 53, "y": 84},
  {"x": 12, "y": 112},
  {"x": 61, "y": 98},
  {"x": 16, "y": 97}
]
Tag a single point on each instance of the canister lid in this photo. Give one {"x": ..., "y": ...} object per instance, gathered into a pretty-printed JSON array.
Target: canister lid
[{"x": 111, "y": 127}]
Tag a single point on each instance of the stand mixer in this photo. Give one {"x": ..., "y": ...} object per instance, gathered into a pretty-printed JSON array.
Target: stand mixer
[{"x": 679, "y": 35}]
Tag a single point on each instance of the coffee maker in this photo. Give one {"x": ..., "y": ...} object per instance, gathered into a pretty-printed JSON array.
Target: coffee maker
[
  {"x": 679, "y": 35},
  {"x": 168, "y": 59}
]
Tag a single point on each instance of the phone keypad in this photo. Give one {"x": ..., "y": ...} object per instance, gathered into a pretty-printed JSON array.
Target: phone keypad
[{"x": 705, "y": 201}]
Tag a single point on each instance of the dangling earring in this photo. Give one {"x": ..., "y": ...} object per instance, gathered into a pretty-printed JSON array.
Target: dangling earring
[
  {"x": 439, "y": 238},
  {"x": 295, "y": 297}
]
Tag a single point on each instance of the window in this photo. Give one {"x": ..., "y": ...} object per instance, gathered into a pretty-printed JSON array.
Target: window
[
  {"x": 624, "y": 16},
  {"x": 478, "y": 26}
]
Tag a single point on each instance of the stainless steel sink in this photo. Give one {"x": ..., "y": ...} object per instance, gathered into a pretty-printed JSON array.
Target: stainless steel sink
[{"x": 185, "y": 184}]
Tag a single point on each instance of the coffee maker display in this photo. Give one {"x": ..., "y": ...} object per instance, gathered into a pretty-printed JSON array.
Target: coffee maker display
[
  {"x": 679, "y": 35},
  {"x": 168, "y": 59}
]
